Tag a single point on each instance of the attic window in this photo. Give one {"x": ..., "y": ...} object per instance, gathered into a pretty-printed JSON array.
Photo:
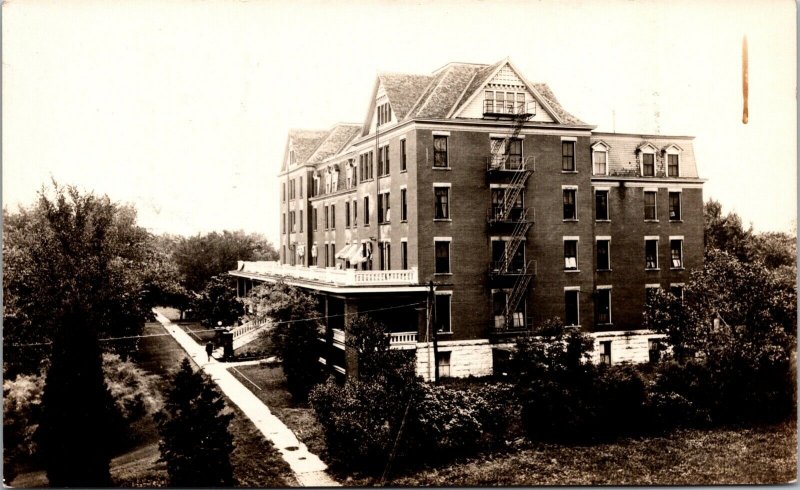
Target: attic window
[
  {"x": 498, "y": 102},
  {"x": 384, "y": 114}
]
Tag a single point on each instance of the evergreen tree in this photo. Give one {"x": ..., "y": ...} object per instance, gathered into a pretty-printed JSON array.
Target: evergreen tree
[
  {"x": 195, "y": 442},
  {"x": 79, "y": 422}
]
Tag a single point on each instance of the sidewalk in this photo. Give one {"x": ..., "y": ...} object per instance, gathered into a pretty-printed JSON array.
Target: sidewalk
[{"x": 307, "y": 467}]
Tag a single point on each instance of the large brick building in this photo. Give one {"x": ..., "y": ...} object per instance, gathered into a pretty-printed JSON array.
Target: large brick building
[{"x": 477, "y": 180}]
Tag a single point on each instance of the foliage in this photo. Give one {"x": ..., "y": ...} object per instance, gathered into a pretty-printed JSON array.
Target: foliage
[
  {"x": 201, "y": 257},
  {"x": 134, "y": 390},
  {"x": 162, "y": 283},
  {"x": 195, "y": 441},
  {"x": 218, "y": 302},
  {"x": 79, "y": 422},
  {"x": 376, "y": 360},
  {"x": 726, "y": 232},
  {"x": 71, "y": 250},
  {"x": 294, "y": 335},
  {"x": 22, "y": 398}
]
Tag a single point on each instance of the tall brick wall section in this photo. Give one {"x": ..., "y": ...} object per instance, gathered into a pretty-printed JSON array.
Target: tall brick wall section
[
  {"x": 546, "y": 238},
  {"x": 628, "y": 229}
]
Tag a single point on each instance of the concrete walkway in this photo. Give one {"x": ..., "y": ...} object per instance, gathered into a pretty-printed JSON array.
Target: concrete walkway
[{"x": 307, "y": 467}]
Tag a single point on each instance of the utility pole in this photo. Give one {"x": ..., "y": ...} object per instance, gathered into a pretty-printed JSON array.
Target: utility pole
[{"x": 435, "y": 332}]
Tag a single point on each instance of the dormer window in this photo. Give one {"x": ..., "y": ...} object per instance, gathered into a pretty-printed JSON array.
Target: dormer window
[
  {"x": 384, "y": 114},
  {"x": 672, "y": 155},
  {"x": 291, "y": 157},
  {"x": 600, "y": 158},
  {"x": 648, "y": 160}
]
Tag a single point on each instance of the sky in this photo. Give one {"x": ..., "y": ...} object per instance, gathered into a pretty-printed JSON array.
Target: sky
[{"x": 182, "y": 107}]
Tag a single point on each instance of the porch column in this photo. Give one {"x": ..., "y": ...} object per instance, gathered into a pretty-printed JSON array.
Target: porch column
[{"x": 350, "y": 354}]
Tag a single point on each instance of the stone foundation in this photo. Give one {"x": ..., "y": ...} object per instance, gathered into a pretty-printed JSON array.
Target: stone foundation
[
  {"x": 626, "y": 346},
  {"x": 467, "y": 358}
]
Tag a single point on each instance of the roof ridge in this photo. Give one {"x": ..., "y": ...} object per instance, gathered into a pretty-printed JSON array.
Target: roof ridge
[
  {"x": 422, "y": 94},
  {"x": 438, "y": 79},
  {"x": 461, "y": 96}
]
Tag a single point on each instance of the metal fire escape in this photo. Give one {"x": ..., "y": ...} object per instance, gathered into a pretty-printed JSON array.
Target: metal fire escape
[{"x": 519, "y": 219}]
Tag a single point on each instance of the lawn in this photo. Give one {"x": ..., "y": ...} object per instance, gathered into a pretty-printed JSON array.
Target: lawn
[
  {"x": 764, "y": 454},
  {"x": 256, "y": 463}
]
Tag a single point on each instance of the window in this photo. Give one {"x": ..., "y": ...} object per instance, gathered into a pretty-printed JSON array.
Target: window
[
  {"x": 654, "y": 350},
  {"x": 403, "y": 205},
  {"x": 283, "y": 192},
  {"x": 384, "y": 249},
  {"x": 677, "y": 291},
  {"x": 384, "y": 113},
  {"x": 283, "y": 224},
  {"x": 603, "y": 305},
  {"x": 314, "y": 219},
  {"x": 648, "y": 164},
  {"x": 603, "y": 255},
  {"x": 605, "y": 352},
  {"x": 442, "y": 204},
  {"x": 349, "y": 176},
  {"x": 327, "y": 219},
  {"x": 301, "y": 221},
  {"x": 365, "y": 166},
  {"x": 517, "y": 262},
  {"x": 291, "y": 221},
  {"x": 347, "y": 214},
  {"x": 383, "y": 161},
  {"x": 600, "y": 160},
  {"x": 442, "y": 257},
  {"x": 571, "y": 307},
  {"x": 651, "y": 254},
  {"x": 674, "y": 206},
  {"x": 571, "y": 255},
  {"x": 300, "y": 187},
  {"x": 440, "y": 151},
  {"x": 506, "y": 153},
  {"x": 568, "y": 156},
  {"x": 500, "y": 307},
  {"x": 570, "y": 211},
  {"x": 601, "y": 206},
  {"x": 366, "y": 210},
  {"x": 443, "y": 313},
  {"x": 650, "y": 206},
  {"x": 333, "y": 216},
  {"x": 497, "y": 102},
  {"x": 383, "y": 208},
  {"x": 443, "y": 363},
  {"x": 672, "y": 165},
  {"x": 332, "y": 255},
  {"x": 404, "y": 255},
  {"x": 355, "y": 212},
  {"x": 402, "y": 155},
  {"x": 650, "y": 291},
  {"x": 676, "y": 253}
]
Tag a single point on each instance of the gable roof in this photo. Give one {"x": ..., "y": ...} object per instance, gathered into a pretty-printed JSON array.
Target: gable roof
[
  {"x": 447, "y": 90},
  {"x": 303, "y": 142},
  {"x": 335, "y": 140}
]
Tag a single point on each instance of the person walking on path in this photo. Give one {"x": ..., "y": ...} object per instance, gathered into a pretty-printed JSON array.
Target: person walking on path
[{"x": 209, "y": 349}]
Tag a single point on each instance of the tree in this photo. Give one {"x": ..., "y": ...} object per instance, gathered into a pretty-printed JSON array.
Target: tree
[
  {"x": 295, "y": 334},
  {"x": 201, "y": 257},
  {"x": 79, "y": 421},
  {"x": 726, "y": 232},
  {"x": 70, "y": 251},
  {"x": 218, "y": 302},
  {"x": 195, "y": 441},
  {"x": 376, "y": 360}
]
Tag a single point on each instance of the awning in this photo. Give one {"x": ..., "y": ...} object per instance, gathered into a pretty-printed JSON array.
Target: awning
[
  {"x": 346, "y": 251},
  {"x": 355, "y": 256},
  {"x": 358, "y": 256},
  {"x": 314, "y": 251}
]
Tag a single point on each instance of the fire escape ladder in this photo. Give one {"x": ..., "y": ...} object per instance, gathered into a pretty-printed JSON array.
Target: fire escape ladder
[
  {"x": 512, "y": 245},
  {"x": 518, "y": 292}
]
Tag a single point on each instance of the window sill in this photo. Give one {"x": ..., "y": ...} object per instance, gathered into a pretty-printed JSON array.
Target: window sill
[
  {"x": 651, "y": 221},
  {"x": 442, "y": 168},
  {"x": 677, "y": 268},
  {"x": 676, "y": 221},
  {"x": 444, "y": 333},
  {"x": 572, "y": 270},
  {"x": 443, "y": 273},
  {"x": 442, "y": 219},
  {"x": 602, "y": 221},
  {"x": 385, "y": 223},
  {"x": 365, "y": 180},
  {"x": 605, "y": 270},
  {"x": 570, "y": 220},
  {"x": 656, "y": 269},
  {"x": 404, "y": 221},
  {"x": 404, "y": 171},
  {"x": 569, "y": 171},
  {"x": 384, "y": 176}
]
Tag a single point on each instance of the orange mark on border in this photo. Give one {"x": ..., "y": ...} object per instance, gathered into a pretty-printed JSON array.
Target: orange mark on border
[{"x": 745, "y": 115}]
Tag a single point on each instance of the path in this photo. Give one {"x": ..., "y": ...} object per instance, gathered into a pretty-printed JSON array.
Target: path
[{"x": 307, "y": 467}]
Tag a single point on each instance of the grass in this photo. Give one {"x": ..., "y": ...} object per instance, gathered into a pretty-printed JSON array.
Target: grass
[
  {"x": 255, "y": 461},
  {"x": 762, "y": 454},
  {"x": 765, "y": 454},
  {"x": 299, "y": 417}
]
